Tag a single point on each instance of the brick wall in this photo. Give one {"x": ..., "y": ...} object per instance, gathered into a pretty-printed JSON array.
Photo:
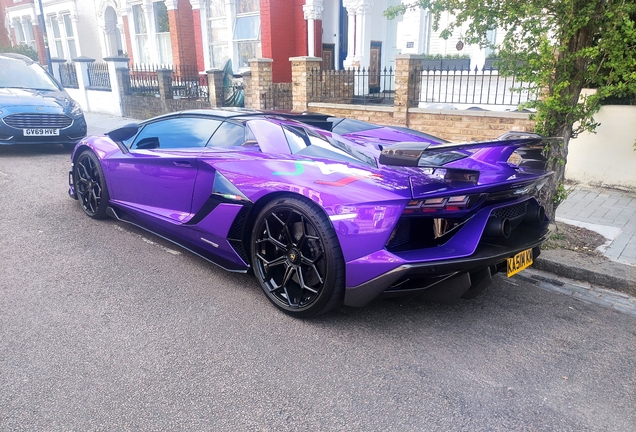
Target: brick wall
[
  {"x": 129, "y": 46},
  {"x": 145, "y": 107},
  {"x": 452, "y": 125},
  {"x": 283, "y": 35},
  {"x": 198, "y": 39},
  {"x": 4, "y": 31},
  {"x": 301, "y": 30},
  {"x": 39, "y": 43},
  {"x": 182, "y": 34}
]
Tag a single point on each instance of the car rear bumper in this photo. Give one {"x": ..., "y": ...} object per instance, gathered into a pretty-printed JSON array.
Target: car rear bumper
[{"x": 411, "y": 277}]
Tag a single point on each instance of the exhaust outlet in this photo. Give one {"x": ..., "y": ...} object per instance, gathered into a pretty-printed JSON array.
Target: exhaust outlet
[
  {"x": 496, "y": 227},
  {"x": 535, "y": 214}
]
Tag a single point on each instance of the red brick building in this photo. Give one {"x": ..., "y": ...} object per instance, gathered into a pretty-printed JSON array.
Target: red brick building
[
  {"x": 4, "y": 32},
  {"x": 206, "y": 33},
  {"x": 197, "y": 33}
]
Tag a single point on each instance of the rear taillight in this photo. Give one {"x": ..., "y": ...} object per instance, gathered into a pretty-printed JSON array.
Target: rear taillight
[{"x": 442, "y": 204}]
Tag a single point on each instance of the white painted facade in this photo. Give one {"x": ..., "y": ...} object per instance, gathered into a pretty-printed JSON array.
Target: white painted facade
[
  {"x": 21, "y": 18},
  {"x": 227, "y": 32},
  {"x": 411, "y": 33},
  {"x": 95, "y": 29},
  {"x": 70, "y": 25},
  {"x": 607, "y": 157}
]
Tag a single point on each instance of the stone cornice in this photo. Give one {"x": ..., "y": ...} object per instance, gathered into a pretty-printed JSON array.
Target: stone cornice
[
  {"x": 312, "y": 9},
  {"x": 358, "y": 7}
]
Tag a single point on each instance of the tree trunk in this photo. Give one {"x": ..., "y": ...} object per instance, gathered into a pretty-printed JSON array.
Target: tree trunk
[
  {"x": 551, "y": 193},
  {"x": 561, "y": 121}
]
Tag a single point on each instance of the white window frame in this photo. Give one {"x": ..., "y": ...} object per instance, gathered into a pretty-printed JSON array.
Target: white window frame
[
  {"x": 164, "y": 43},
  {"x": 140, "y": 37},
  {"x": 70, "y": 44},
  {"x": 18, "y": 31},
  {"x": 218, "y": 22},
  {"x": 242, "y": 63},
  {"x": 29, "y": 34},
  {"x": 54, "y": 23}
]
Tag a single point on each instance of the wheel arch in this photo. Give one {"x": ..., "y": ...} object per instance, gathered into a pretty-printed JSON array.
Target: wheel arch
[
  {"x": 79, "y": 150},
  {"x": 256, "y": 208}
]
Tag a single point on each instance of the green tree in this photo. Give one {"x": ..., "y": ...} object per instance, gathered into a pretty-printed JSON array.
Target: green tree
[
  {"x": 559, "y": 47},
  {"x": 21, "y": 49}
]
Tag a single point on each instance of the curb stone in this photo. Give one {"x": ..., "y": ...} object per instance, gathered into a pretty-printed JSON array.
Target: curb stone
[{"x": 592, "y": 269}]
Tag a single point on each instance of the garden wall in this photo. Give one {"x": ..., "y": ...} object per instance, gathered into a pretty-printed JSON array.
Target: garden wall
[
  {"x": 453, "y": 125},
  {"x": 607, "y": 157}
]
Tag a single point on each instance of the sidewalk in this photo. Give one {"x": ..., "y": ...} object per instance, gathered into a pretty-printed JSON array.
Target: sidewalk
[
  {"x": 611, "y": 213},
  {"x": 99, "y": 123}
]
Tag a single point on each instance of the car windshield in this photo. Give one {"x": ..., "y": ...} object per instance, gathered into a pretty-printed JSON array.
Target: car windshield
[{"x": 17, "y": 74}]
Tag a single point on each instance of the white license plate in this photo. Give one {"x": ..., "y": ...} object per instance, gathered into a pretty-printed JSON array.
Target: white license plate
[{"x": 41, "y": 132}]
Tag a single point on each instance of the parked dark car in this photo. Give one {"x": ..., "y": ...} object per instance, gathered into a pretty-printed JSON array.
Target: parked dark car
[{"x": 34, "y": 108}]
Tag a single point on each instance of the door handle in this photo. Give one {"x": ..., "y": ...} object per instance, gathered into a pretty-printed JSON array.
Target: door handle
[{"x": 183, "y": 164}]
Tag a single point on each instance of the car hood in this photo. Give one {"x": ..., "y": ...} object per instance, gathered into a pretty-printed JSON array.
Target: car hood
[{"x": 16, "y": 97}]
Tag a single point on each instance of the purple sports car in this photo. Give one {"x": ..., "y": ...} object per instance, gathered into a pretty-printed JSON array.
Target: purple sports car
[{"x": 322, "y": 218}]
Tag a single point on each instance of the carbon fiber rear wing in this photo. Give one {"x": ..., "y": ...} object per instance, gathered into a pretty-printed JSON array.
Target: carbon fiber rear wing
[{"x": 529, "y": 147}]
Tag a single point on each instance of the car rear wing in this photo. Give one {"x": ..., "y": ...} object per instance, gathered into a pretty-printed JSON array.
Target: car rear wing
[{"x": 529, "y": 147}]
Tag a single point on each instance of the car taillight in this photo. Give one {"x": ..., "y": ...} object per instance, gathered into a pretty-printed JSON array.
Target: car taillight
[{"x": 445, "y": 204}]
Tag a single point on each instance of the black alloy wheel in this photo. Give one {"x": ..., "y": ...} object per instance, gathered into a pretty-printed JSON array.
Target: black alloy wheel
[
  {"x": 297, "y": 258},
  {"x": 90, "y": 185}
]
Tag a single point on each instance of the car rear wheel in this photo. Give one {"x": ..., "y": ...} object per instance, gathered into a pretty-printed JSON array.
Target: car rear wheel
[
  {"x": 297, "y": 258},
  {"x": 90, "y": 185}
]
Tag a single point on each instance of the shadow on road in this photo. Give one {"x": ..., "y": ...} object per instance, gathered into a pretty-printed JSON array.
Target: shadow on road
[{"x": 32, "y": 150}]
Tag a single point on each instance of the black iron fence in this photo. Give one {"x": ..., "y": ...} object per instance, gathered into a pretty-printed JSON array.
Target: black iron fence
[
  {"x": 144, "y": 80},
  {"x": 98, "y": 75},
  {"x": 188, "y": 83},
  {"x": 68, "y": 75},
  {"x": 485, "y": 87},
  {"x": 278, "y": 97},
  {"x": 354, "y": 85}
]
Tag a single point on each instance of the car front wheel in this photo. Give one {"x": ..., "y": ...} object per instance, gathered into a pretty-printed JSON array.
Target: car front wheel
[
  {"x": 90, "y": 185},
  {"x": 297, "y": 258}
]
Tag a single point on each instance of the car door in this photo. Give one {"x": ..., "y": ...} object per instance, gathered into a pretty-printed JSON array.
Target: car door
[{"x": 158, "y": 174}]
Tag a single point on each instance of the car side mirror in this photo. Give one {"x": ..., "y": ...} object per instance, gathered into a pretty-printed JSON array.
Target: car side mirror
[{"x": 148, "y": 143}]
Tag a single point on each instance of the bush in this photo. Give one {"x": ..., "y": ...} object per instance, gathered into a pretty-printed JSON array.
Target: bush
[{"x": 21, "y": 49}]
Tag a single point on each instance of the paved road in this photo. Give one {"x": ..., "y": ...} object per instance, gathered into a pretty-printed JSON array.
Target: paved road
[{"x": 105, "y": 327}]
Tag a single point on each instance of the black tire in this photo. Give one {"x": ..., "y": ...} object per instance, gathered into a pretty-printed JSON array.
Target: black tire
[
  {"x": 90, "y": 185},
  {"x": 297, "y": 258}
]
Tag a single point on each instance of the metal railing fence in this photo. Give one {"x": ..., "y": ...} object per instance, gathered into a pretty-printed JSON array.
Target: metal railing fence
[
  {"x": 353, "y": 85},
  {"x": 485, "y": 87},
  {"x": 144, "y": 80},
  {"x": 188, "y": 83},
  {"x": 98, "y": 75},
  {"x": 278, "y": 97},
  {"x": 68, "y": 75}
]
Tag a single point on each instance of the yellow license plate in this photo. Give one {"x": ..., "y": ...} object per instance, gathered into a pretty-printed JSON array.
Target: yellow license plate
[{"x": 519, "y": 262}]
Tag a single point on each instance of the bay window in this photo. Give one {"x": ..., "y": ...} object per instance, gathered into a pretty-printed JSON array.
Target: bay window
[
  {"x": 217, "y": 33},
  {"x": 247, "y": 31},
  {"x": 162, "y": 28},
  {"x": 141, "y": 33},
  {"x": 70, "y": 36}
]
